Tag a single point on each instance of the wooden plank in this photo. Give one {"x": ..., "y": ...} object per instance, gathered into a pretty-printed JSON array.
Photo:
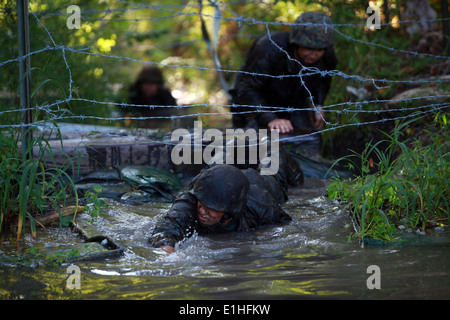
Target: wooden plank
[
  {"x": 89, "y": 155},
  {"x": 112, "y": 147}
]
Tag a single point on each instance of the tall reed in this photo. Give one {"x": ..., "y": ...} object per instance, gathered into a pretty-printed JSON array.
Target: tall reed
[
  {"x": 407, "y": 184},
  {"x": 31, "y": 185}
]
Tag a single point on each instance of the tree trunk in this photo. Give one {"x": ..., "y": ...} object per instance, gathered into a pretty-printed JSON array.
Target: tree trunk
[{"x": 422, "y": 13}]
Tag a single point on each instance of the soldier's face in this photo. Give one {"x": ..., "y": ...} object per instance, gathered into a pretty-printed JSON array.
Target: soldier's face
[
  {"x": 308, "y": 55},
  {"x": 149, "y": 89},
  {"x": 208, "y": 216}
]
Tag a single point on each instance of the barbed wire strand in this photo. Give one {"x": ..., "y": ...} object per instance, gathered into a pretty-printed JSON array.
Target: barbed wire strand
[{"x": 353, "y": 107}]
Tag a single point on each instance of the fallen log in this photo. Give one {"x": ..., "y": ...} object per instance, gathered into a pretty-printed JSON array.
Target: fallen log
[{"x": 52, "y": 217}]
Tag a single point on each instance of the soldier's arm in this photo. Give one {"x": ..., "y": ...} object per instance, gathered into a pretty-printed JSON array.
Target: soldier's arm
[{"x": 178, "y": 223}]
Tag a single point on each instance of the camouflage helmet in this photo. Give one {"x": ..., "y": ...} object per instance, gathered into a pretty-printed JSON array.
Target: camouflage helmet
[
  {"x": 314, "y": 36},
  {"x": 223, "y": 188},
  {"x": 150, "y": 74}
]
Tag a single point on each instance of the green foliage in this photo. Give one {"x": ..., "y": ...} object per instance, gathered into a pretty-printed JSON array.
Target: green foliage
[
  {"x": 164, "y": 32},
  {"x": 50, "y": 258},
  {"x": 115, "y": 38},
  {"x": 356, "y": 58},
  {"x": 32, "y": 184},
  {"x": 95, "y": 205},
  {"x": 408, "y": 185}
]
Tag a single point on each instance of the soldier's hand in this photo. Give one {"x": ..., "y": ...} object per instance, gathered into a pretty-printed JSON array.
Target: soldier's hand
[
  {"x": 282, "y": 125},
  {"x": 168, "y": 249}
]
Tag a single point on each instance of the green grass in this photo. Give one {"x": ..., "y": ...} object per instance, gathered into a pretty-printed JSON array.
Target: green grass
[
  {"x": 407, "y": 185},
  {"x": 30, "y": 185}
]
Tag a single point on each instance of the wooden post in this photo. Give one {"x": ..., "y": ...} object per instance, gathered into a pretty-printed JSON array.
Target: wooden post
[
  {"x": 445, "y": 26},
  {"x": 387, "y": 15}
]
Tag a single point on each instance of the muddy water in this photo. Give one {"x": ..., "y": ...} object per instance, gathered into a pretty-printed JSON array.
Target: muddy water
[{"x": 308, "y": 258}]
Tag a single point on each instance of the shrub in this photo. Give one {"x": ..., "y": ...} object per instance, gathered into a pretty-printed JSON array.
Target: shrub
[{"x": 408, "y": 184}]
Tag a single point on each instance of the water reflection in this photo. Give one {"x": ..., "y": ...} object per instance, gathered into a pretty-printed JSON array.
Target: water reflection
[{"x": 309, "y": 257}]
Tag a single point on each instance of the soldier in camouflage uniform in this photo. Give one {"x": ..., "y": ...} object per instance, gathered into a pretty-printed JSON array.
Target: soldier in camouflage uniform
[
  {"x": 223, "y": 198},
  {"x": 271, "y": 77}
]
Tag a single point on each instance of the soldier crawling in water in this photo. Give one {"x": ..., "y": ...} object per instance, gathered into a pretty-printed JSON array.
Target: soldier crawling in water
[{"x": 223, "y": 198}]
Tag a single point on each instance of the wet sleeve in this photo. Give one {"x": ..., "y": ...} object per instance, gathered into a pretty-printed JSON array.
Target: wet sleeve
[
  {"x": 166, "y": 98},
  {"x": 178, "y": 223},
  {"x": 262, "y": 209},
  {"x": 251, "y": 85}
]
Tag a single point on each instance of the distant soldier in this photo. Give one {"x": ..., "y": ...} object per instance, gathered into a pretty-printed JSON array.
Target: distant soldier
[
  {"x": 284, "y": 71},
  {"x": 149, "y": 90}
]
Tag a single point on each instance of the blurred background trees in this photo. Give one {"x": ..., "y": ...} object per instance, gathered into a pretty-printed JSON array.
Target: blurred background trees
[{"x": 117, "y": 37}]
